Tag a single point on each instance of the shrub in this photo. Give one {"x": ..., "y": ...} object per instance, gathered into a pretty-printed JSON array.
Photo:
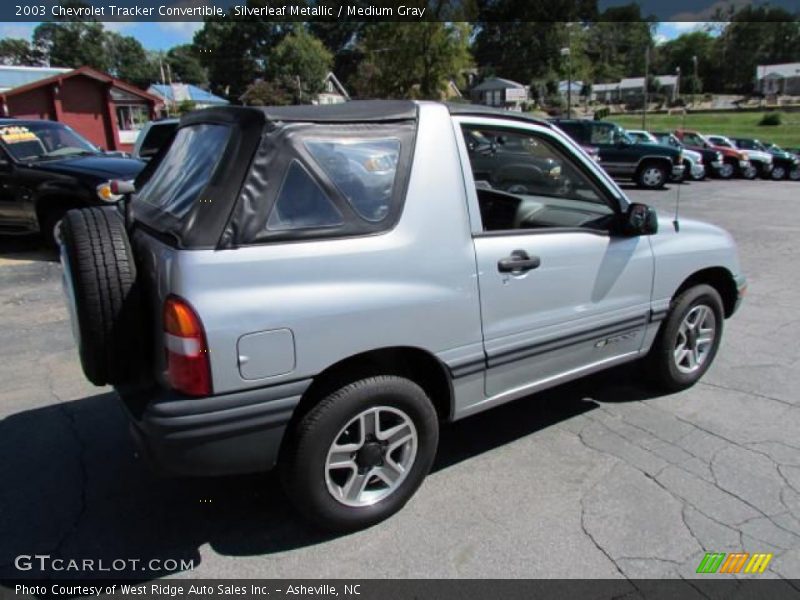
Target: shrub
[
  {"x": 771, "y": 119},
  {"x": 601, "y": 113}
]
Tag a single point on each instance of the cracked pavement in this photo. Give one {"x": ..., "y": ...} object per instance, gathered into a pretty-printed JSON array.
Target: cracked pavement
[{"x": 596, "y": 479}]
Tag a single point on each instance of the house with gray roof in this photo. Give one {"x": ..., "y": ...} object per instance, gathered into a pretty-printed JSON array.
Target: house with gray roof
[
  {"x": 782, "y": 79},
  {"x": 13, "y": 77},
  {"x": 503, "y": 93}
]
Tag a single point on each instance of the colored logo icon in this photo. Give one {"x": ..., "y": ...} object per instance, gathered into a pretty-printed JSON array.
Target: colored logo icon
[{"x": 736, "y": 562}]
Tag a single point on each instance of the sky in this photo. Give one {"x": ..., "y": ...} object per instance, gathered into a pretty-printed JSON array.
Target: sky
[{"x": 165, "y": 35}]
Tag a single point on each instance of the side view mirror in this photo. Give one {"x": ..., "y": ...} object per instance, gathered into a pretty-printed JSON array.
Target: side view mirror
[
  {"x": 120, "y": 188},
  {"x": 623, "y": 141},
  {"x": 640, "y": 219}
]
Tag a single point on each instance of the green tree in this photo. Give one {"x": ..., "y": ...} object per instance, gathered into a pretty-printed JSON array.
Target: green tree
[
  {"x": 128, "y": 60},
  {"x": 519, "y": 41},
  {"x": 184, "y": 62},
  {"x": 17, "y": 52},
  {"x": 756, "y": 35},
  {"x": 235, "y": 53},
  {"x": 266, "y": 93},
  {"x": 682, "y": 53},
  {"x": 411, "y": 60},
  {"x": 618, "y": 42},
  {"x": 300, "y": 63},
  {"x": 72, "y": 44}
]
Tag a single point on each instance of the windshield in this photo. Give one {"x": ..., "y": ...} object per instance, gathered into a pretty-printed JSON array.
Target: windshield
[
  {"x": 694, "y": 139},
  {"x": 38, "y": 141}
]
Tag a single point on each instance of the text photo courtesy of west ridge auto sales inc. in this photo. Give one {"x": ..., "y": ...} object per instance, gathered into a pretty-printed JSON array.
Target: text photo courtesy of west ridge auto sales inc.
[{"x": 431, "y": 299}]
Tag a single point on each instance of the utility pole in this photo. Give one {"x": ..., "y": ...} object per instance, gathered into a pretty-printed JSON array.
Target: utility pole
[
  {"x": 696, "y": 79},
  {"x": 646, "y": 85},
  {"x": 677, "y": 83},
  {"x": 566, "y": 52}
]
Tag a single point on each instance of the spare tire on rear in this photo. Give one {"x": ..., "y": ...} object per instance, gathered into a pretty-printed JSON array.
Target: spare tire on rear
[{"x": 105, "y": 304}]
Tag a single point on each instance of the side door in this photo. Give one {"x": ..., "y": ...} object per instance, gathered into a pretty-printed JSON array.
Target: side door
[
  {"x": 561, "y": 294},
  {"x": 617, "y": 157},
  {"x": 11, "y": 209}
]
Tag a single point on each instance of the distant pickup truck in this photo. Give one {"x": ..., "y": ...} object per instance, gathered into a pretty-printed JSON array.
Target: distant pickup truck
[
  {"x": 649, "y": 165},
  {"x": 46, "y": 168}
]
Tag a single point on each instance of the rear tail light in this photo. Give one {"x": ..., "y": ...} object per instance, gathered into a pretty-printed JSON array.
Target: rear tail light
[{"x": 188, "y": 366}]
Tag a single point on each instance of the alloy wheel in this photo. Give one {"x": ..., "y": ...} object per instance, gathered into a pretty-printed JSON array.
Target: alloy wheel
[
  {"x": 695, "y": 339},
  {"x": 371, "y": 456}
]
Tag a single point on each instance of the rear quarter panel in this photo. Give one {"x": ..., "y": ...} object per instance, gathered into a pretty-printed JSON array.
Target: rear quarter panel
[{"x": 412, "y": 286}]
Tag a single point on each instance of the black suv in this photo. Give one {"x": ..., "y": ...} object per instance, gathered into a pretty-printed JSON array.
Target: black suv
[
  {"x": 46, "y": 168},
  {"x": 649, "y": 165}
]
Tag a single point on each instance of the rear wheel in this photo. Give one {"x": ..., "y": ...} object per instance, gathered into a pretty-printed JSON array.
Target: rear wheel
[
  {"x": 360, "y": 454},
  {"x": 688, "y": 340},
  {"x": 652, "y": 176}
]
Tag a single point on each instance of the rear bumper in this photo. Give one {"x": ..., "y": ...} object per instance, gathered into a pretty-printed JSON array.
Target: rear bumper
[{"x": 218, "y": 435}]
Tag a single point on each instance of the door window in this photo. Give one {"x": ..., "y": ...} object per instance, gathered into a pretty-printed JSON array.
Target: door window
[
  {"x": 603, "y": 134},
  {"x": 524, "y": 181}
]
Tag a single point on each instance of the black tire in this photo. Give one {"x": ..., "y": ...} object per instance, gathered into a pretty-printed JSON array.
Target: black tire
[
  {"x": 727, "y": 170},
  {"x": 101, "y": 274},
  {"x": 749, "y": 173},
  {"x": 778, "y": 173},
  {"x": 660, "y": 363},
  {"x": 652, "y": 176},
  {"x": 303, "y": 461}
]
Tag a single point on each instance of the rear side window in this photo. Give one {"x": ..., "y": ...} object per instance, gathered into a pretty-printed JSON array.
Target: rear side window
[
  {"x": 301, "y": 204},
  {"x": 572, "y": 130},
  {"x": 186, "y": 168},
  {"x": 362, "y": 170}
]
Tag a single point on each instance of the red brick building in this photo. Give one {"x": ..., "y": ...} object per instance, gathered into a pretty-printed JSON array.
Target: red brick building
[{"x": 106, "y": 111}]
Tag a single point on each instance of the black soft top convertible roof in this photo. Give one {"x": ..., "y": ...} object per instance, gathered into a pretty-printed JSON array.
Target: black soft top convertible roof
[{"x": 357, "y": 111}]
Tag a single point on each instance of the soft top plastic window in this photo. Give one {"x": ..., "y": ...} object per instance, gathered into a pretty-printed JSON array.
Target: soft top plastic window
[
  {"x": 301, "y": 204},
  {"x": 362, "y": 170},
  {"x": 186, "y": 168}
]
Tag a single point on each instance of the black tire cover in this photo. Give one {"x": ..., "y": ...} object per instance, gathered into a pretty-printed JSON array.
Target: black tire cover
[{"x": 100, "y": 275}]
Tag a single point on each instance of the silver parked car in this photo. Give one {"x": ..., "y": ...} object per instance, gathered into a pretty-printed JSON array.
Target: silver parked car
[{"x": 318, "y": 287}]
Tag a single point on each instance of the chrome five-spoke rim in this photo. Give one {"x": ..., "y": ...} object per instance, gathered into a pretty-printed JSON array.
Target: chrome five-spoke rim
[
  {"x": 695, "y": 339},
  {"x": 371, "y": 456}
]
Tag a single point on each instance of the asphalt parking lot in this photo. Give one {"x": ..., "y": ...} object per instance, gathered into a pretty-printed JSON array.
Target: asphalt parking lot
[{"x": 596, "y": 479}]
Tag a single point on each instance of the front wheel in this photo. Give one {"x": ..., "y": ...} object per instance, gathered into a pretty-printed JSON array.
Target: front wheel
[
  {"x": 652, "y": 176},
  {"x": 726, "y": 170},
  {"x": 750, "y": 172},
  {"x": 778, "y": 173},
  {"x": 794, "y": 174},
  {"x": 688, "y": 340},
  {"x": 360, "y": 454}
]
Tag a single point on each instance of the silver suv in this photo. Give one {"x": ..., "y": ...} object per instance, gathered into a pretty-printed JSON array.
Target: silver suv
[{"x": 318, "y": 288}]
